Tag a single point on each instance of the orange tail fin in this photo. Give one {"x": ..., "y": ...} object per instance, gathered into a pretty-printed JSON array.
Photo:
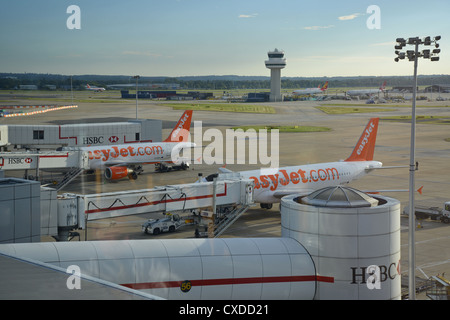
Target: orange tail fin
[
  {"x": 325, "y": 86},
  {"x": 365, "y": 147},
  {"x": 181, "y": 131}
]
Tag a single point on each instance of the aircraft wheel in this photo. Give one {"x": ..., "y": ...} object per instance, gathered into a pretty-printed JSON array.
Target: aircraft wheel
[{"x": 133, "y": 176}]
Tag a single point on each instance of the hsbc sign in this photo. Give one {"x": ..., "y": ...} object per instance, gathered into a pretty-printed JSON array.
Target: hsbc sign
[
  {"x": 99, "y": 140},
  {"x": 15, "y": 163},
  {"x": 374, "y": 275},
  {"x": 19, "y": 160},
  {"x": 93, "y": 140}
]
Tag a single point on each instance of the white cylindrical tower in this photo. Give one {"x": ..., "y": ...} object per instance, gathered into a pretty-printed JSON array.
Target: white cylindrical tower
[
  {"x": 275, "y": 63},
  {"x": 351, "y": 237}
]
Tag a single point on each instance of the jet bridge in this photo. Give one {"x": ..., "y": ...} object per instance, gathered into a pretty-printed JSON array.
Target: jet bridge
[
  {"x": 43, "y": 160},
  {"x": 72, "y": 163},
  {"x": 225, "y": 200}
]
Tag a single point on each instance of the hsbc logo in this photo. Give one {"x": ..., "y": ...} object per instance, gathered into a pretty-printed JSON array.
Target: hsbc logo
[
  {"x": 28, "y": 160},
  {"x": 113, "y": 139}
]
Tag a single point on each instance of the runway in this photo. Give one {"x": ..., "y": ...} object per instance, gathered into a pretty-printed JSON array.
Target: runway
[{"x": 392, "y": 149}]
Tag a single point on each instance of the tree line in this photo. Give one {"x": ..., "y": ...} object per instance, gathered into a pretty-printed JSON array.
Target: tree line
[{"x": 11, "y": 81}]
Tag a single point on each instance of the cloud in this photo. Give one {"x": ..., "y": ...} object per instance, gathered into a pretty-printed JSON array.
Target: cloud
[
  {"x": 315, "y": 28},
  {"x": 380, "y": 44},
  {"x": 350, "y": 17},
  {"x": 246, "y": 16},
  {"x": 140, "y": 53}
]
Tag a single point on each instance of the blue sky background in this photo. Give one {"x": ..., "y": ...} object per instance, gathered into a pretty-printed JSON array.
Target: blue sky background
[{"x": 217, "y": 37}]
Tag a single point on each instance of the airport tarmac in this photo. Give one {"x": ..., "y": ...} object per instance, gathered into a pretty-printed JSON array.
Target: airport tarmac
[{"x": 392, "y": 148}]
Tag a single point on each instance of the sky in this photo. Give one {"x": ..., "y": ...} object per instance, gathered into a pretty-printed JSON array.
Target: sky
[{"x": 218, "y": 37}]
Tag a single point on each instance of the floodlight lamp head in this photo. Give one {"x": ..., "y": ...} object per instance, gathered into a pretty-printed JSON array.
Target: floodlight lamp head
[
  {"x": 413, "y": 40},
  {"x": 437, "y": 38},
  {"x": 427, "y": 41},
  {"x": 434, "y": 58}
]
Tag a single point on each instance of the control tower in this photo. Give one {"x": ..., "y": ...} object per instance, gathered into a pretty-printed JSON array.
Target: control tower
[{"x": 275, "y": 63}]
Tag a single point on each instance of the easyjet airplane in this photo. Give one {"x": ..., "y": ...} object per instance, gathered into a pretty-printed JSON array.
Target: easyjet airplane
[
  {"x": 367, "y": 91},
  {"x": 125, "y": 160},
  {"x": 96, "y": 89},
  {"x": 311, "y": 90},
  {"x": 273, "y": 183}
]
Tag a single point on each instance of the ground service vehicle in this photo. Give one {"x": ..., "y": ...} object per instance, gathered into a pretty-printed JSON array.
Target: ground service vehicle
[
  {"x": 434, "y": 213},
  {"x": 169, "y": 224}
]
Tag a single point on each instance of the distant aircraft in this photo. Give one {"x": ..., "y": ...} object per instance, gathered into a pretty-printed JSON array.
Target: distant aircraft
[
  {"x": 125, "y": 160},
  {"x": 273, "y": 183},
  {"x": 367, "y": 91},
  {"x": 93, "y": 88},
  {"x": 311, "y": 90}
]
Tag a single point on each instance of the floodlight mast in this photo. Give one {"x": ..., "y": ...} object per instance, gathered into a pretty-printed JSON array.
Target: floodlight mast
[
  {"x": 414, "y": 56},
  {"x": 137, "y": 78}
]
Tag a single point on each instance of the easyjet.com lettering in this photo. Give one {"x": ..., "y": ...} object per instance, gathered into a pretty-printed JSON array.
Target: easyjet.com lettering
[
  {"x": 272, "y": 181},
  {"x": 114, "y": 152}
]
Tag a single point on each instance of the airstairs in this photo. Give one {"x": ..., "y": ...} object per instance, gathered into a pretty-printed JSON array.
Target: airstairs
[
  {"x": 228, "y": 219},
  {"x": 68, "y": 177}
]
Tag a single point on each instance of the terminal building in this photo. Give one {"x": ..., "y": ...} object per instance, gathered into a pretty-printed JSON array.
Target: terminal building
[
  {"x": 166, "y": 94},
  {"x": 78, "y": 135}
]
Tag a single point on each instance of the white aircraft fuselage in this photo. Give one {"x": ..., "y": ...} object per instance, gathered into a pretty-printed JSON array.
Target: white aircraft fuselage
[{"x": 272, "y": 184}]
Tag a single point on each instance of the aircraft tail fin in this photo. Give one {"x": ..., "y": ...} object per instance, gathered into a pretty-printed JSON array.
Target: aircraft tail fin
[
  {"x": 325, "y": 86},
  {"x": 180, "y": 132},
  {"x": 365, "y": 147},
  {"x": 383, "y": 86}
]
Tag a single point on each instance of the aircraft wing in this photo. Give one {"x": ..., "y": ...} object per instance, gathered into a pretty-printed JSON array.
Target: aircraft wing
[
  {"x": 370, "y": 168},
  {"x": 286, "y": 192},
  {"x": 224, "y": 170},
  {"x": 388, "y": 167},
  {"x": 391, "y": 190}
]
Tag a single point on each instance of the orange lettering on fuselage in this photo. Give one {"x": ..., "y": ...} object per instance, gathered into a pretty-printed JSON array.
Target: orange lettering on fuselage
[
  {"x": 272, "y": 181},
  {"x": 115, "y": 152}
]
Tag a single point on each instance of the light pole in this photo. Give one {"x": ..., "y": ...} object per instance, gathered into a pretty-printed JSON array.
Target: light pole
[
  {"x": 414, "y": 55},
  {"x": 137, "y": 78}
]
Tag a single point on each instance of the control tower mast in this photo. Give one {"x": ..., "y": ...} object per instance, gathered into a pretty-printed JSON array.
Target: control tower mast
[{"x": 275, "y": 63}]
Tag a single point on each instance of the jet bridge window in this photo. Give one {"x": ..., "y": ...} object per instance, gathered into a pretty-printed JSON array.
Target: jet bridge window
[{"x": 38, "y": 134}]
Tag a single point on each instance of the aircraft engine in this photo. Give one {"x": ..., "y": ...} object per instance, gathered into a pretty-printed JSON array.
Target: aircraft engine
[{"x": 116, "y": 173}]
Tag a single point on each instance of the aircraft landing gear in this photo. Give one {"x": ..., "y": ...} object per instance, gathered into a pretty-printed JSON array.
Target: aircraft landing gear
[
  {"x": 162, "y": 167},
  {"x": 266, "y": 205}
]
